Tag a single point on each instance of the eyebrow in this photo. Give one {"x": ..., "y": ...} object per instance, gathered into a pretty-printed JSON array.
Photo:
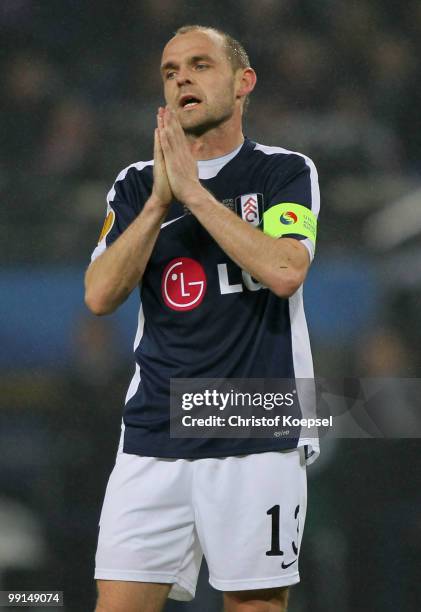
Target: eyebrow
[{"x": 192, "y": 60}]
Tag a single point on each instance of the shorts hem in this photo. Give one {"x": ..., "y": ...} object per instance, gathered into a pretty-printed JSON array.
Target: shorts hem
[
  {"x": 181, "y": 591},
  {"x": 253, "y": 584}
]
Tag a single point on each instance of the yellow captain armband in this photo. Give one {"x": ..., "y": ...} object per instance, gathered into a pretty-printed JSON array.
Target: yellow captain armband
[{"x": 289, "y": 218}]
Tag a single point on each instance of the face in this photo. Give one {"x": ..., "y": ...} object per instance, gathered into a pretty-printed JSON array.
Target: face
[{"x": 199, "y": 83}]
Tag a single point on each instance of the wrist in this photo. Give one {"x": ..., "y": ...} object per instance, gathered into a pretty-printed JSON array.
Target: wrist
[
  {"x": 195, "y": 196},
  {"x": 156, "y": 203}
]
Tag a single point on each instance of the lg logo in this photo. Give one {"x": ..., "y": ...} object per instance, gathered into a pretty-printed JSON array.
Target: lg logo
[{"x": 184, "y": 283}]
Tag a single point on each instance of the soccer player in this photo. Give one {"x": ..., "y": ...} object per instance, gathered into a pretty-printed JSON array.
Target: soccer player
[{"x": 218, "y": 231}]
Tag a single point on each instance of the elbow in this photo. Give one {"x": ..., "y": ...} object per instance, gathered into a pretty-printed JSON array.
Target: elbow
[
  {"x": 96, "y": 305},
  {"x": 97, "y": 300},
  {"x": 101, "y": 301},
  {"x": 97, "y": 297},
  {"x": 286, "y": 284}
]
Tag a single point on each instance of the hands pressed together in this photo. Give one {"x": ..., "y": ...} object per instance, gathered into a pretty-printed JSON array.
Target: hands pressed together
[{"x": 175, "y": 169}]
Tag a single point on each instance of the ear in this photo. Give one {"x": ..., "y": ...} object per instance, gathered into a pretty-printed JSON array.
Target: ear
[{"x": 246, "y": 80}]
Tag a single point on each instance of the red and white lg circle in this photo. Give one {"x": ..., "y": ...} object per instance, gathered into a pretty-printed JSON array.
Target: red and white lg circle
[{"x": 183, "y": 284}]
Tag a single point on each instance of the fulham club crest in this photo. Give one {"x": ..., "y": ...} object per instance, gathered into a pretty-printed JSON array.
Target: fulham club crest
[{"x": 250, "y": 207}]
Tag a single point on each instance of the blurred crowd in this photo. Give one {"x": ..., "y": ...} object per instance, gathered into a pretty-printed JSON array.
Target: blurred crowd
[{"x": 337, "y": 80}]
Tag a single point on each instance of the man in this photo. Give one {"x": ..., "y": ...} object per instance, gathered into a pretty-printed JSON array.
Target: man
[{"x": 220, "y": 298}]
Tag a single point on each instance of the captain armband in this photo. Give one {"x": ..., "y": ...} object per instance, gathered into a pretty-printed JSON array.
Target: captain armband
[{"x": 288, "y": 218}]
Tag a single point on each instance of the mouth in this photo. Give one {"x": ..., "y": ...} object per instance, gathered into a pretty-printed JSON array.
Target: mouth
[{"x": 189, "y": 101}]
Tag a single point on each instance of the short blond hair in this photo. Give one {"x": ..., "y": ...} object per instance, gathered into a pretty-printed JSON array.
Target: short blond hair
[{"x": 235, "y": 51}]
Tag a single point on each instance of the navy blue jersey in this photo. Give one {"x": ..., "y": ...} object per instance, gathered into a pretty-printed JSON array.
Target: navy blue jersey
[{"x": 213, "y": 320}]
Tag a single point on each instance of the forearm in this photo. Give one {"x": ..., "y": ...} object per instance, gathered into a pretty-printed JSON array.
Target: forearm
[
  {"x": 114, "y": 274},
  {"x": 279, "y": 265}
]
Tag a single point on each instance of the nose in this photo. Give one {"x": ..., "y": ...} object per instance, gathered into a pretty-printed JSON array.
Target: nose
[{"x": 184, "y": 77}]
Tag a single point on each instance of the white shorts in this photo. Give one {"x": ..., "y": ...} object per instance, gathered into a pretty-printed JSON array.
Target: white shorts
[{"x": 246, "y": 514}]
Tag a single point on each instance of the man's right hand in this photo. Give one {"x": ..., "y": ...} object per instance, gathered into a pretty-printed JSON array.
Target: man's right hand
[
  {"x": 161, "y": 188},
  {"x": 114, "y": 274}
]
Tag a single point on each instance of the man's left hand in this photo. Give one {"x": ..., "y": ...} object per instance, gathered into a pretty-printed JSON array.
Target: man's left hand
[{"x": 180, "y": 164}]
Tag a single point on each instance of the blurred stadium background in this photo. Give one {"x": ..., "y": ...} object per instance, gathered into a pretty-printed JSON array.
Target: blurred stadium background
[{"x": 337, "y": 80}]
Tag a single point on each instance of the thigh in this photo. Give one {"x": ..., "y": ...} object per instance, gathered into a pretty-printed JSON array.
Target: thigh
[
  {"x": 147, "y": 532},
  {"x": 122, "y": 596},
  {"x": 250, "y": 518},
  {"x": 273, "y": 600}
]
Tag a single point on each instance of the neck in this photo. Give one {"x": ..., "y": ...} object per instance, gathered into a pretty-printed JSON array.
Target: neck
[{"x": 216, "y": 142}]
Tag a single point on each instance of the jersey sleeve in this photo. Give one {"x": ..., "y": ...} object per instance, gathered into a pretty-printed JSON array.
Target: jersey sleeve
[
  {"x": 294, "y": 201},
  {"x": 122, "y": 208}
]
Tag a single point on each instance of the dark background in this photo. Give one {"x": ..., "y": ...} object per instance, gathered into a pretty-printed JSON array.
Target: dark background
[{"x": 337, "y": 80}]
